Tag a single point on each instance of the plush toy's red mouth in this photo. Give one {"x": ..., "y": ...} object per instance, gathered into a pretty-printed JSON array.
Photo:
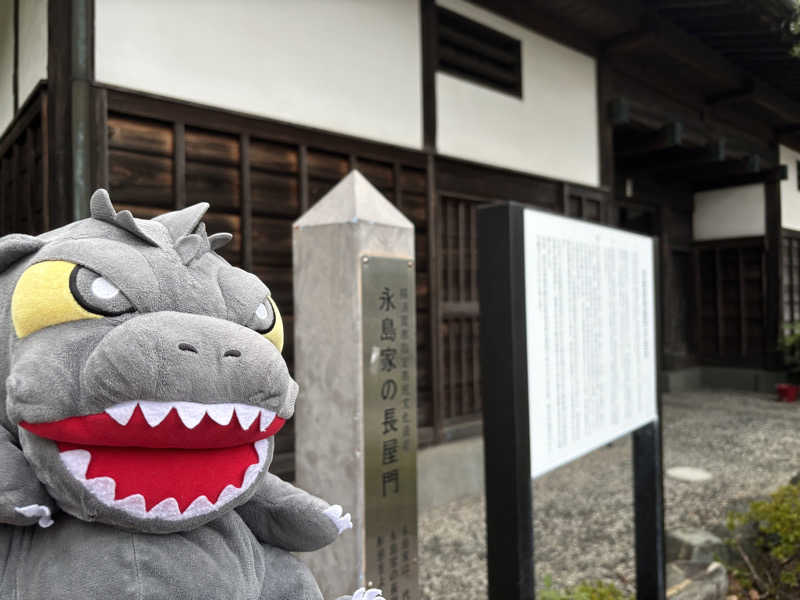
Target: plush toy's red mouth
[{"x": 165, "y": 460}]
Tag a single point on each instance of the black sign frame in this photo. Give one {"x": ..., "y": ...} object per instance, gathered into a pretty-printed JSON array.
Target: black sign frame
[{"x": 507, "y": 456}]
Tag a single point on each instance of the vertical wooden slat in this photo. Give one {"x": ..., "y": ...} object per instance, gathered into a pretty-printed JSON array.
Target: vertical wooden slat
[
  {"x": 45, "y": 179},
  {"x": 742, "y": 315},
  {"x": 14, "y": 205},
  {"x": 30, "y": 180},
  {"x": 452, "y": 249},
  {"x": 764, "y": 299},
  {"x": 473, "y": 251},
  {"x": 246, "y": 203},
  {"x": 435, "y": 278},
  {"x": 462, "y": 249},
  {"x": 100, "y": 166},
  {"x": 790, "y": 285},
  {"x": 3, "y": 194},
  {"x": 720, "y": 310},
  {"x": 15, "y": 59},
  {"x": 476, "y": 366},
  {"x": 398, "y": 188},
  {"x": 774, "y": 274},
  {"x": 302, "y": 159},
  {"x": 179, "y": 164},
  {"x": 452, "y": 336},
  {"x": 466, "y": 375},
  {"x": 698, "y": 302}
]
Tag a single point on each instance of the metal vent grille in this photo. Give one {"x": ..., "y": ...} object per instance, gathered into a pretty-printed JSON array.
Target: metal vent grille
[{"x": 475, "y": 52}]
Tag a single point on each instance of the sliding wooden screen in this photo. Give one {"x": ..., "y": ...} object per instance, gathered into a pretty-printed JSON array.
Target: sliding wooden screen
[{"x": 730, "y": 316}]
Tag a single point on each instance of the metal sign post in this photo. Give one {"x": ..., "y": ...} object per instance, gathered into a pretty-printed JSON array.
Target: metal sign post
[{"x": 569, "y": 345}]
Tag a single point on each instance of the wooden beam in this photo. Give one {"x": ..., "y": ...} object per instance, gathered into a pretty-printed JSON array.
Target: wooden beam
[
  {"x": 626, "y": 42},
  {"x": 784, "y": 108},
  {"x": 678, "y": 160},
  {"x": 735, "y": 95},
  {"x": 669, "y": 136},
  {"x": 773, "y": 175},
  {"x": 749, "y": 165}
]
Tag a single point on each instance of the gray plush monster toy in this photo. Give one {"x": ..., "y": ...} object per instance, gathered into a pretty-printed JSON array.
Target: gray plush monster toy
[{"x": 143, "y": 384}]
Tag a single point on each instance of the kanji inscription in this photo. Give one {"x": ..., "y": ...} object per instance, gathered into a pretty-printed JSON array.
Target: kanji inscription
[{"x": 390, "y": 417}]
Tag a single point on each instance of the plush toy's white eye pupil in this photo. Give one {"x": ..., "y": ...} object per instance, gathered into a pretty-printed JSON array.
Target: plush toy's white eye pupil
[
  {"x": 261, "y": 312},
  {"x": 104, "y": 289}
]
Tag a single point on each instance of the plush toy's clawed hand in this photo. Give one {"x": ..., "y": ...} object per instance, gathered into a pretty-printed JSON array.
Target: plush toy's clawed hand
[
  {"x": 367, "y": 594},
  {"x": 36, "y": 510},
  {"x": 342, "y": 522}
]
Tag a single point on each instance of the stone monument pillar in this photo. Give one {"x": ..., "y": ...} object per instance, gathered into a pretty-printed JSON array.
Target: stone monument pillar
[{"x": 355, "y": 361}]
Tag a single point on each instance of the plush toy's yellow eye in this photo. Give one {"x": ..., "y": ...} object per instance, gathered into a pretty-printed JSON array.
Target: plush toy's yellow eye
[
  {"x": 267, "y": 321},
  {"x": 57, "y": 291}
]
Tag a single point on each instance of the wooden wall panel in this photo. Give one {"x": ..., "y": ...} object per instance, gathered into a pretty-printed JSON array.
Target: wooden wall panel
[
  {"x": 730, "y": 283},
  {"x": 24, "y": 206}
]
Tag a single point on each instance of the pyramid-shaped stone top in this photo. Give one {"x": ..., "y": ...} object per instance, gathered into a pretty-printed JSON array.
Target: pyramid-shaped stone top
[{"x": 353, "y": 200}]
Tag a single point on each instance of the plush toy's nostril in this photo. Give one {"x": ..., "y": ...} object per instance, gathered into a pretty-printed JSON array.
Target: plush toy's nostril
[
  {"x": 187, "y": 347},
  {"x": 234, "y": 353}
]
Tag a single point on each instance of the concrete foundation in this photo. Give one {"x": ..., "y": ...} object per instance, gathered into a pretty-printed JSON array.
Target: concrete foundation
[
  {"x": 731, "y": 378},
  {"x": 449, "y": 471}
]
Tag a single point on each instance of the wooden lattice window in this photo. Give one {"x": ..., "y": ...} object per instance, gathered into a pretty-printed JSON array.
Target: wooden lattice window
[
  {"x": 483, "y": 55},
  {"x": 459, "y": 311},
  {"x": 731, "y": 293}
]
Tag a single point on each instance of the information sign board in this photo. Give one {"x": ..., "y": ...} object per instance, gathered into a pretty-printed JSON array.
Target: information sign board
[
  {"x": 569, "y": 347},
  {"x": 590, "y": 326}
]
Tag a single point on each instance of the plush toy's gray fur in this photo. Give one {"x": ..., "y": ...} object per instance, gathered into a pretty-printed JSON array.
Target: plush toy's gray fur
[{"x": 182, "y": 291}]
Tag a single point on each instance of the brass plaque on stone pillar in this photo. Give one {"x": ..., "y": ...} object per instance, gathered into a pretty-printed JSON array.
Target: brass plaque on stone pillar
[{"x": 390, "y": 425}]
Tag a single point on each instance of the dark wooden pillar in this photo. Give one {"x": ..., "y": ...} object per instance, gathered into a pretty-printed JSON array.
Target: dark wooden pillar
[
  {"x": 429, "y": 60},
  {"x": 773, "y": 241},
  {"x": 71, "y": 133}
]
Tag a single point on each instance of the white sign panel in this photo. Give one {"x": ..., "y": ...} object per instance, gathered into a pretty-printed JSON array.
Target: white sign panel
[{"x": 590, "y": 325}]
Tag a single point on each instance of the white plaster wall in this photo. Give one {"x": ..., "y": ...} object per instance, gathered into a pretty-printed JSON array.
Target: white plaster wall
[
  {"x": 32, "y": 46},
  {"x": 790, "y": 195},
  {"x": 729, "y": 213},
  {"x": 352, "y": 66},
  {"x": 552, "y": 131},
  {"x": 6, "y": 63}
]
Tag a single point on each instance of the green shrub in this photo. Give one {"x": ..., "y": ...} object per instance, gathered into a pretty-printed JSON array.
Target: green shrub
[
  {"x": 596, "y": 590},
  {"x": 765, "y": 540}
]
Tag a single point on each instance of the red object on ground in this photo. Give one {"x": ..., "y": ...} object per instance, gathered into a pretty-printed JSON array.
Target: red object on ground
[{"x": 787, "y": 392}]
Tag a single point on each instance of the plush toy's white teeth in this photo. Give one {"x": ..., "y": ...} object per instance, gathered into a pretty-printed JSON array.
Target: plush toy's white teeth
[
  {"x": 103, "y": 488},
  {"x": 221, "y": 414},
  {"x": 192, "y": 413},
  {"x": 246, "y": 414},
  {"x": 77, "y": 461},
  {"x": 122, "y": 412},
  {"x": 154, "y": 412},
  {"x": 267, "y": 417}
]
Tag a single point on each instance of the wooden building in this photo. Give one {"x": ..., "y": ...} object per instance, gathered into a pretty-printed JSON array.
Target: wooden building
[{"x": 676, "y": 118}]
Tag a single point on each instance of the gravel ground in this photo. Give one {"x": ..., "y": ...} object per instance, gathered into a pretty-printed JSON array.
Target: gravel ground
[{"x": 583, "y": 512}]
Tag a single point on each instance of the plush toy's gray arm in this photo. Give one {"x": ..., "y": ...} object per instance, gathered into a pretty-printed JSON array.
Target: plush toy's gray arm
[
  {"x": 282, "y": 515},
  {"x": 23, "y": 500}
]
